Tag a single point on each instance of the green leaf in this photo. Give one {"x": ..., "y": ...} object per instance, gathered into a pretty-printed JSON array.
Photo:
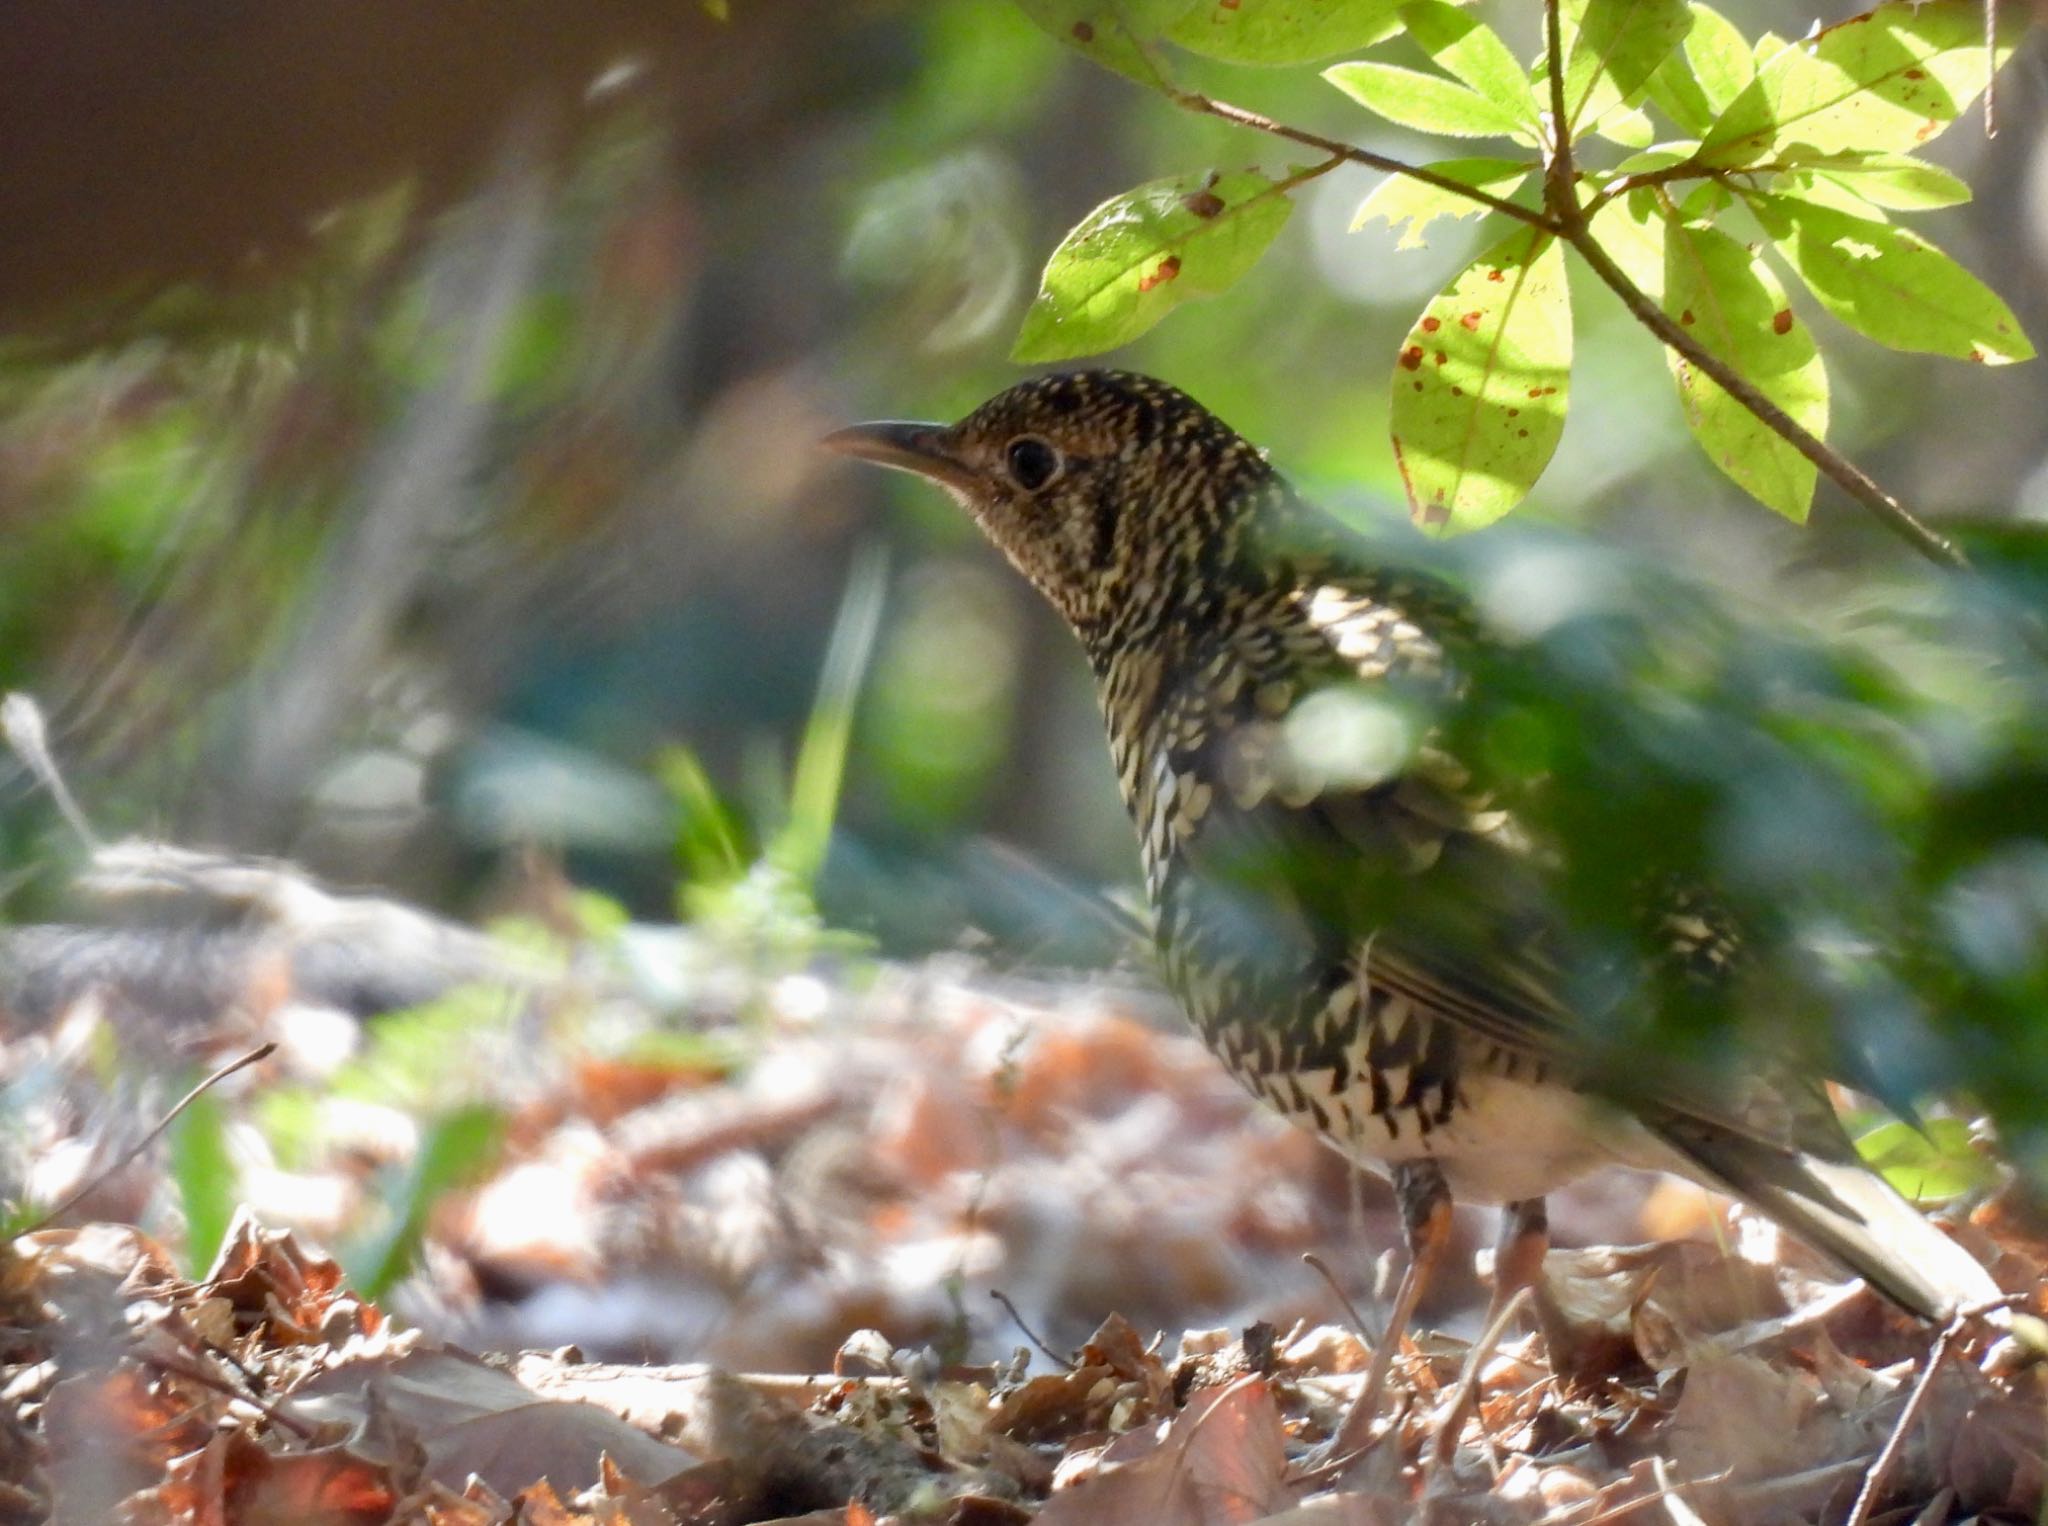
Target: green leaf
[
  {"x": 1898, "y": 181},
  {"x": 1694, "y": 86},
  {"x": 1425, "y": 102},
  {"x": 1632, "y": 229},
  {"x": 1884, "y": 81},
  {"x": 1140, "y": 255},
  {"x": 1728, "y": 299},
  {"x": 1283, "y": 31},
  {"x": 1890, "y": 284},
  {"x": 1933, "y": 1167},
  {"x": 1721, "y": 63},
  {"x": 1613, "y": 50},
  {"x": 1471, "y": 52},
  {"x": 205, "y": 1175},
  {"x": 1826, "y": 190},
  {"x": 1480, "y": 386},
  {"x": 1118, "y": 34},
  {"x": 1401, "y": 199},
  {"x": 800, "y": 845},
  {"x": 455, "y": 1151}
]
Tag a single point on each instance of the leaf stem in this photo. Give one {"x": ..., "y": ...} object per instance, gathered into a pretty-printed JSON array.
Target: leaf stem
[{"x": 1346, "y": 153}]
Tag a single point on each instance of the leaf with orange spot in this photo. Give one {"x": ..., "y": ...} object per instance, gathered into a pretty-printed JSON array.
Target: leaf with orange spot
[
  {"x": 1139, "y": 255},
  {"x": 1480, "y": 386},
  {"x": 1729, "y": 300},
  {"x": 1887, "y": 80}
]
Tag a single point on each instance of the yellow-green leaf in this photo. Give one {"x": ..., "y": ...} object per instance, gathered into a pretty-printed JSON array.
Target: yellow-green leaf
[
  {"x": 1613, "y": 50},
  {"x": 1726, "y": 297},
  {"x": 1890, "y": 284},
  {"x": 1402, "y": 199},
  {"x": 1480, "y": 385},
  {"x": 1139, "y": 255},
  {"x": 1885, "y": 81},
  {"x": 1282, "y": 31},
  {"x": 1425, "y": 102},
  {"x": 1472, "y": 53}
]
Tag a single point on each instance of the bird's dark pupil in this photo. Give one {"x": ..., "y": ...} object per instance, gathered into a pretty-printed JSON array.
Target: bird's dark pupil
[{"x": 1032, "y": 463}]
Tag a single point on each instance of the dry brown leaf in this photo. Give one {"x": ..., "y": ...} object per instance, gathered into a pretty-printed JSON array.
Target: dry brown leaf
[
  {"x": 471, "y": 1418},
  {"x": 1221, "y": 1463}
]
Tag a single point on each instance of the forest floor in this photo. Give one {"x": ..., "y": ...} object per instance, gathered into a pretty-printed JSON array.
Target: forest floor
[{"x": 679, "y": 1236}]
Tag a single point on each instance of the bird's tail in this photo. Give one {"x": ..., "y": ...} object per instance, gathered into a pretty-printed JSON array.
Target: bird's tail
[{"x": 1849, "y": 1212}]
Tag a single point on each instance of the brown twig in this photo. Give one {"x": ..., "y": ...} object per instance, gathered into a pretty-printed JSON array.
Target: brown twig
[
  {"x": 1029, "y": 1334},
  {"x": 1560, "y": 195},
  {"x": 220, "y": 1385},
  {"x": 1350, "y": 154},
  {"x": 1445, "y": 1446},
  {"x": 1895, "y": 1443},
  {"x": 99, "y": 1178}
]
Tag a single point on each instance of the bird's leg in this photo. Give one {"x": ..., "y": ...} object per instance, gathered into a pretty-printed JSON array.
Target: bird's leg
[
  {"x": 1425, "y": 1201},
  {"x": 1518, "y": 1258}
]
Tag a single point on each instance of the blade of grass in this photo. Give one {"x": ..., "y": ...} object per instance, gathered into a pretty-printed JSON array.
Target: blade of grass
[{"x": 799, "y": 846}]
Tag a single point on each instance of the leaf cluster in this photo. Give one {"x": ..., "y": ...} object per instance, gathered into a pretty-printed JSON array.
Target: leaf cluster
[{"x": 1726, "y": 165}]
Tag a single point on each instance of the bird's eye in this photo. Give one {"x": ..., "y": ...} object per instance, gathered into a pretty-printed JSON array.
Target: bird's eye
[{"x": 1032, "y": 463}]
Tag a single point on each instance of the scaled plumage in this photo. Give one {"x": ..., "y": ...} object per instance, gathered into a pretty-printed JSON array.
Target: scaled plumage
[{"x": 1358, "y": 927}]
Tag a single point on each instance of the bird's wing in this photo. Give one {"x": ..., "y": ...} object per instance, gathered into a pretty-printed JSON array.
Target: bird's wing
[{"x": 1338, "y": 800}]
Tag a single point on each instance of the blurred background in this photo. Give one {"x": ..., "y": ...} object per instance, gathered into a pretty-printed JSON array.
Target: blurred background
[
  {"x": 407, "y": 448},
  {"x": 407, "y": 436}
]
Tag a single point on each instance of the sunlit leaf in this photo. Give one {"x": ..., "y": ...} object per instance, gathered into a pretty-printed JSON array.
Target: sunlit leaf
[
  {"x": 1729, "y": 300},
  {"x": 1695, "y": 85},
  {"x": 1719, "y": 55},
  {"x": 1890, "y": 284},
  {"x": 1282, "y": 31},
  {"x": 1425, "y": 102},
  {"x": 1632, "y": 228},
  {"x": 1885, "y": 81},
  {"x": 1933, "y": 1167},
  {"x": 1401, "y": 199},
  {"x": 1897, "y": 181},
  {"x": 205, "y": 1175},
  {"x": 1480, "y": 385},
  {"x": 1118, "y": 34},
  {"x": 1613, "y": 48},
  {"x": 1139, "y": 255},
  {"x": 1472, "y": 53}
]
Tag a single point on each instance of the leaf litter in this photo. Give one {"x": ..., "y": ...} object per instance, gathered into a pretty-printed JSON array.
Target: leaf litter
[{"x": 747, "y": 1278}]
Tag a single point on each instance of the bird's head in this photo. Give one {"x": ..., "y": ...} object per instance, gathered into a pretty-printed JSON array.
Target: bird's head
[{"x": 1115, "y": 494}]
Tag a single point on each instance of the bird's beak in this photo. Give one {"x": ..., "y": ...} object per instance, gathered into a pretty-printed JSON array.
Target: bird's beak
[{"x": 925, "y": 449}]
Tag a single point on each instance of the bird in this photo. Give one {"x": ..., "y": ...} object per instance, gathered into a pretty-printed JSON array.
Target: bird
[{"x": 1352, "y": 914}]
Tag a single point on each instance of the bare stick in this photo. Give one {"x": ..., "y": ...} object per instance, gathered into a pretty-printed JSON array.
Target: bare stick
[
  {"x": 1029, "y": 1334},
  {"x": 1322, "y": 1269},
  {"x": 1453, "y": 1421},
  {"x": 1895, "y": 1443},
  {"x": 260, "y": 1052}
]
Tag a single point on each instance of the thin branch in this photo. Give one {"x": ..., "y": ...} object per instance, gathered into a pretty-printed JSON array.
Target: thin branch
[
  {"x": 98, "y": 1178},
  {"x": 1894, "y": 1444},
  {"x": 1348, "y": 154},
  {"x": 1559, "y": 194},
  {"x": 1838, "y": 469}
]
